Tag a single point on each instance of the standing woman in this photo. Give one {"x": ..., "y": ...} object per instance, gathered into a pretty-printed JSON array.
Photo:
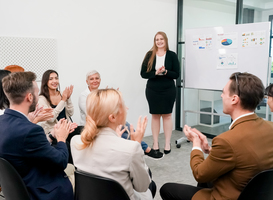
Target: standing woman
[
  {"x": 51, "y": 97},
  {"x": 161, "y": 66}
]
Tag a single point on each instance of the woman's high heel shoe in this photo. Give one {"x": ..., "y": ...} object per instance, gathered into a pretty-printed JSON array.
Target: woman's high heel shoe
[{"x": 167, "y": 151}]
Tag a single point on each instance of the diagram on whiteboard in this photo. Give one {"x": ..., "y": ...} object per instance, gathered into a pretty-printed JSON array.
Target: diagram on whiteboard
[
  {"x": 253, "y": 39},
  {"x": 227, "y": 40},
  {"x": 227, "y": 61},
  {"x": 208, "y": 41},
  {"x": 202, "y": 42}
]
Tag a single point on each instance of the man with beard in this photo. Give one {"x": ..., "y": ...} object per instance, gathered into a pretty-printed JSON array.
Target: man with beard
[
  {"x": 236, "y": 155},
  {"x": 25, "y": 145}
]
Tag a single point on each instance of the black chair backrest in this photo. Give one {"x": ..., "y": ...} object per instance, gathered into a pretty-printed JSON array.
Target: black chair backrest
[
  {"x": 11, "y": 182},
  {"x": 89, "y": 186},
  {"x": 260, "y": 187}
]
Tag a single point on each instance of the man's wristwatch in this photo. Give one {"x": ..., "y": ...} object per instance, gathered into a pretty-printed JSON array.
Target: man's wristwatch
[{"x": 51, "y": 137}]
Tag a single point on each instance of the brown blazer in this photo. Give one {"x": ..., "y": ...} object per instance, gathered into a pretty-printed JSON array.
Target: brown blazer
[{"x": 236, "y": 156}]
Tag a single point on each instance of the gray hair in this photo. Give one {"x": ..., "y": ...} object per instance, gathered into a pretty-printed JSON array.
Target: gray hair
[{"x": 92, "y": 73}]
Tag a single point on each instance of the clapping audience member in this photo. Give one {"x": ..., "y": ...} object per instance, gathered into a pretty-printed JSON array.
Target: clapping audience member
[
  {"x": 4, "y": 102},
  {"x": 38, "y": 115},
  {"x": 236, "y": 155},
  {"x": 99, "y": 150},
  {"x": 25, "y": 146},
  {"x": 51, "y": 97},
  {"x": 93, "y": 80},
  {"x": 269, "y": 94}
]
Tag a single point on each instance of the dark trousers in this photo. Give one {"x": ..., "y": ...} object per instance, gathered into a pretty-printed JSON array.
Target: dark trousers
[
  {"x": 77, "y": 131},
  {"x": 152, "y": 186},
  {"x": 176, "y": 191}
]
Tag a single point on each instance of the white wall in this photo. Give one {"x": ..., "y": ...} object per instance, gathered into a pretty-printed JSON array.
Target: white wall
[
  {"x": 265, "y": 15},
  {"x": 262, "y": 9},
  {"x": 257, "y": 16},
  {"x": 109, "y": 36},
  {"x": 261, "y": 4},
  {"x": 199, "y": 13}
]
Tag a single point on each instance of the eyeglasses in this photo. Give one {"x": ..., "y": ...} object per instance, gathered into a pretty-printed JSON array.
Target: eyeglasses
[{"x": 237, "y": 82}]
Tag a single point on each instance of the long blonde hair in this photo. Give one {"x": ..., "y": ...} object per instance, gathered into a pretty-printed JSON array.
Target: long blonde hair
[
  {"x": 100, "y": 104},
  {"x": 154, "y": 50}
]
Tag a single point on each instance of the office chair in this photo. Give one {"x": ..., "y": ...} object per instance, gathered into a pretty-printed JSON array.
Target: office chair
[
  {"x": 12, "y": 184},
  {"x": 89, "y": 186},
  {"x": 259, "y": 187}
]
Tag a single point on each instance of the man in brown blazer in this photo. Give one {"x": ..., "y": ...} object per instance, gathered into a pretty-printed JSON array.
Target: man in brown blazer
[{"x": 236, "y": 155}]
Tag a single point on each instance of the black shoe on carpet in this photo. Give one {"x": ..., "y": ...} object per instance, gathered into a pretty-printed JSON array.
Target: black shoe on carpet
[{"x": 157, "y": 155}]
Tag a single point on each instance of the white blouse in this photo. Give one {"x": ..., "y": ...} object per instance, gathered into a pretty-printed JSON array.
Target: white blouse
[{"x": 160, "y": 61}]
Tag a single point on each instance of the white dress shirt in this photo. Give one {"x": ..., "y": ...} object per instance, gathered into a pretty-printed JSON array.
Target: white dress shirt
[{"x": 82, "y": 106}]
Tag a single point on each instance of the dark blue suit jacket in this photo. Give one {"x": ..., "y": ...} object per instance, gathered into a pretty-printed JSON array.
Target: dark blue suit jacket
[{"x": 41, "y": 166}]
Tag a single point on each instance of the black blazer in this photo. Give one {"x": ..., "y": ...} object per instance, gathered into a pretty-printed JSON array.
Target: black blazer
[
  {"x": 41, "y": 166},
  {"x": 159, "y": 83}
]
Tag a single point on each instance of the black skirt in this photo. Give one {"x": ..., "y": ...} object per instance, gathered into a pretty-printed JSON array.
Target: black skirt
[{"x": 161, "y": 102}]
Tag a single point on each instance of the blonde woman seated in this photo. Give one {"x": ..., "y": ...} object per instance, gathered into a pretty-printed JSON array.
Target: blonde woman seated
[{"x": 101, "y": 151}]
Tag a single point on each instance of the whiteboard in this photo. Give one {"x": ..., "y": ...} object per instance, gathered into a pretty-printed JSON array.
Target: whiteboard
[{"x": 213, "y": 54}]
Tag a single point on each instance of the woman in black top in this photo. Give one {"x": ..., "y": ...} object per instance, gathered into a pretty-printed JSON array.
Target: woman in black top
[
  {"x": 4, "y": 102},
  {"x": 161, "y": 66}
]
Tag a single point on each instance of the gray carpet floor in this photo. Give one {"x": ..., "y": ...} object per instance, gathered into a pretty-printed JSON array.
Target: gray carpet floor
[{"x": 173, "y": 167}]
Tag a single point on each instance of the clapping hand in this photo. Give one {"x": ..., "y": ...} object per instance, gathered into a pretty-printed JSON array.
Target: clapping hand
[
  {"x": 61, "y": 130},
  {"x": 190, "y": 134},
  {"x": 70, "y": 91},
  {"x": 120, "y": 130},
  {"x": 67, "y": 92},
  {"x": 160, "y": 70},
  {"x": 73, "y": 126},
  {"x": 197, "y": 138},
  {"x": 44, "y": 115},
  {"x": 32, "y": 115},
  {"x": 138, "y": 134},
  {"x": 40, "y": 114},
  {"x": 111, "y": 88},
  {"x": 204, "y": 141}
]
